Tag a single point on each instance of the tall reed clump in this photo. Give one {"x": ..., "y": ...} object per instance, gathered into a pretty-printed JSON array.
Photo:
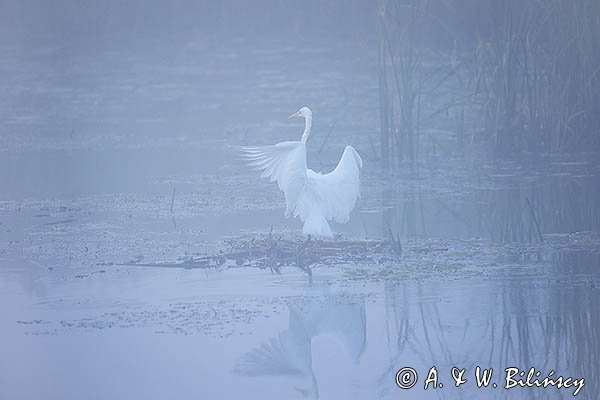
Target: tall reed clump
[
  {"x": 399, "y": 62},
  {"x": 538, "y": 73},
  {"x": 532, "y": 73},
  {"x": 421, "y": 94}
]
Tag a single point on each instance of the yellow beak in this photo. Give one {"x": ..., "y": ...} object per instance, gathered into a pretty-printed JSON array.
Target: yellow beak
[{"x": 294, "y": 115}]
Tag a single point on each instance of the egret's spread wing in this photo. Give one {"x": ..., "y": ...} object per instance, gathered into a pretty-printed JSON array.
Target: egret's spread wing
[
  {"x": 335, "y": 193},
  {"x": 284, "y": 163}
]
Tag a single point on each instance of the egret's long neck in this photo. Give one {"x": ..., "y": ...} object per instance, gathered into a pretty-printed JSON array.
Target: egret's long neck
[{"x": 307, "y": 126}]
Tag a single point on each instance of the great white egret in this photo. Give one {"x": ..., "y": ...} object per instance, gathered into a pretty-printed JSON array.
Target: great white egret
[{"x": 312, "y": 196}]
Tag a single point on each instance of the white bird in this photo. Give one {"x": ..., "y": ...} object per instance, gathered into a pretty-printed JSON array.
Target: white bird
[{"x": 312, "y": 196}]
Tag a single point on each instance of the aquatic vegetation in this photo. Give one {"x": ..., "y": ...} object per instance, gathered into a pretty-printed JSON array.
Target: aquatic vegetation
[{"x": 519, "y": 76}]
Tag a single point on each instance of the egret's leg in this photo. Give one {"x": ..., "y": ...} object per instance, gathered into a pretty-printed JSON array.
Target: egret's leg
[{"x": 300, "y": 261}]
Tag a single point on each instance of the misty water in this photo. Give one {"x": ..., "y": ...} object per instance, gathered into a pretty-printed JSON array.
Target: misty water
[{"x": 121, "y": 154}]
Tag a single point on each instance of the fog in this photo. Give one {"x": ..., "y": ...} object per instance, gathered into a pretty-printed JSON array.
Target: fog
[{"x": 131, "y": 263}]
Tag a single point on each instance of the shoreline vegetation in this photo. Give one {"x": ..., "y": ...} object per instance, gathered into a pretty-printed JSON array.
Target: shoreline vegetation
[{"x": 521, "y": 76}]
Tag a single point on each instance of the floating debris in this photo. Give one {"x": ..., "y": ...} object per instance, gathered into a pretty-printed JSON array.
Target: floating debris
[{"x": 266, "y": 251}]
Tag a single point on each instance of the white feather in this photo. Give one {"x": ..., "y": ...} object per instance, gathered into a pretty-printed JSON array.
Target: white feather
[{"x": 284, "y": 163}]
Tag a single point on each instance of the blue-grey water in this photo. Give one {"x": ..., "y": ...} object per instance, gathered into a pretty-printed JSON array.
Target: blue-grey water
[{"x": 122, "y": 155}]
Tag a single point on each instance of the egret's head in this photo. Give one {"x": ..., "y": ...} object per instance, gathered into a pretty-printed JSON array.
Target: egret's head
[{"x": 303, "y": 112}]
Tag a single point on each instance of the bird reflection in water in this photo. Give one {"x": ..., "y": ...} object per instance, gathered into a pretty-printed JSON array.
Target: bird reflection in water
[{"x": 289, "y": 354}]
